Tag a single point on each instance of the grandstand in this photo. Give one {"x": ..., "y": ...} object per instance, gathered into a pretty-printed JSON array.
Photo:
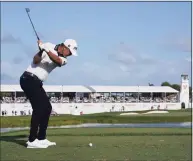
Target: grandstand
[
  {"x": 95, "y": 94},
  {"x": 77, "y": 100}
]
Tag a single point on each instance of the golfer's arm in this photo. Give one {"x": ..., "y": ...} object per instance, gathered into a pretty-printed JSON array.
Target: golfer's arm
[
  {"x": 55, "y": 58},
  {"x": 38, "y": 57}
]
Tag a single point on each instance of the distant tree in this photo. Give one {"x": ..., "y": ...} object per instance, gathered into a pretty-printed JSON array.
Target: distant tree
[
  {"x": 166, "y": 84},
  {"x": 150, "y": 84},
  {"x": 176, "y": 87}
]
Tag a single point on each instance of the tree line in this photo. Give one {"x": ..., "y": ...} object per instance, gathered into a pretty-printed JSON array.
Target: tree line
[{"x": 174, "y": 86}]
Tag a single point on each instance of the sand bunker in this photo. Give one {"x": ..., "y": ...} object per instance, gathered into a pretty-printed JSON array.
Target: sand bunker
[
  {"x": 152, "y": 112},
  {"x": 130, "y": 113}
]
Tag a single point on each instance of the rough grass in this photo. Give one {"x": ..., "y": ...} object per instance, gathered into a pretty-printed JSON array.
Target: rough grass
[{"x": 113, "y": 117}]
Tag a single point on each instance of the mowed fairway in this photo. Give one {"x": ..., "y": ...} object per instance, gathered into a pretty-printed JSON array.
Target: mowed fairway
[{"x": 109, "y": 144}]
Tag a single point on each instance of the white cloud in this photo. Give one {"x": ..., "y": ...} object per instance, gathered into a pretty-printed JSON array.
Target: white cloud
[
  {"x": 177, "y": 43},
  {"x": 130, "y": 61},
  {"x": 12, "y": 70},
  {"x": 140, "y": 68},
  {"x": 89, "y": 67},
  {"x": 188, "y": 59},
  {"x": 17, "y": 60},
  {"x": 10, "y": 39},
  {"x": 125, "y": 66},
  {"x": 7, "y": 79}
]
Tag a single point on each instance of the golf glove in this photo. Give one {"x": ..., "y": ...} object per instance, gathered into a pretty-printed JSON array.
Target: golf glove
[{"x": 44, "y": 47}]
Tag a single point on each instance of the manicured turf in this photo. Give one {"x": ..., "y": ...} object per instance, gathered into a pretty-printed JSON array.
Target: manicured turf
[
  {"x": 113, "y": 117},
  {"x": 109, "y": 144}
]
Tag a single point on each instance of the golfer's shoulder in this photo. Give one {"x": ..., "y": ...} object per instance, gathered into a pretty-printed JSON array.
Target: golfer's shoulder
[{"x": 49, "y": 45}]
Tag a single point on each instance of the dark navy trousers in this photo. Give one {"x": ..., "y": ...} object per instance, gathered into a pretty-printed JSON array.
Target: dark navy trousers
[{"x": 34, "y": 91}]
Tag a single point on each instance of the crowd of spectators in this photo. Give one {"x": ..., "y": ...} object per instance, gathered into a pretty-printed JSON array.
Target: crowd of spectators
[{"x": 100, "y": 99}]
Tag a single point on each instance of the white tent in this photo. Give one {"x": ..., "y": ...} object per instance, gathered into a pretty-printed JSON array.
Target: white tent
[{"x": 93, "y": 89}]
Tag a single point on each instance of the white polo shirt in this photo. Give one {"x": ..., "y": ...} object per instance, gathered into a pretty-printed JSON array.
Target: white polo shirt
[{"x": 46, "y": 65}]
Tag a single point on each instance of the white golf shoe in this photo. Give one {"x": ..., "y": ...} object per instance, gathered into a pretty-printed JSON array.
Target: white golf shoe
[
  {"x": 47, "y": 142},
  {"x": 36, "y": 144}
]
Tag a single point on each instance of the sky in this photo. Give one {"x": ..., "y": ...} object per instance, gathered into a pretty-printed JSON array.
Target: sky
[{"x": 119, "y": 43}]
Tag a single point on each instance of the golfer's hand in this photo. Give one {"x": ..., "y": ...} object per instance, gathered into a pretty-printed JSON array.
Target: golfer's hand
[
  {"x": 39, "y": 42},
  {"x": 43, "y": 46}
]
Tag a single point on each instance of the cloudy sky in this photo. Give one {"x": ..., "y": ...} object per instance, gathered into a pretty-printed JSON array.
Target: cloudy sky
[{"x": 119, "y": 43}]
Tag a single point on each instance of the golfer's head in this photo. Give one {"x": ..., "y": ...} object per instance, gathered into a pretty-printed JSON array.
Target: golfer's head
[{"x": 68, "y": 48}]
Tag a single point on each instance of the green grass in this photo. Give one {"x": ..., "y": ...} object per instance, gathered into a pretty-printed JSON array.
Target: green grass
[
  {"x": 113, "y": 117},
  {"x": 109, "y": 144}
]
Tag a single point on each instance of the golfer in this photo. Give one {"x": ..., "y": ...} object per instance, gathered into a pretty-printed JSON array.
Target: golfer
[{"x": 48, "y": 58}]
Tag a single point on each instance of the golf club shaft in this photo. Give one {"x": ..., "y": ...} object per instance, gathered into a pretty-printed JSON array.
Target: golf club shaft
[{"x": 32, "y": 25}]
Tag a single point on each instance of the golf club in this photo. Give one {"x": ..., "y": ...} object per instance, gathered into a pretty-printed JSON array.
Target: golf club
[{"x": 28, "y": 10}]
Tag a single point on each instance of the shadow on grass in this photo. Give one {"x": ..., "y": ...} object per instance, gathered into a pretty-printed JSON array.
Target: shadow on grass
[
  {"x": 18, "y": 139},
  {"x": 125, "y": 134}
]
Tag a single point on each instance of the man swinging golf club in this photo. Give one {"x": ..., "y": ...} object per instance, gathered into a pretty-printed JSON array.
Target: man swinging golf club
[{"x": 48, "y": 58}]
